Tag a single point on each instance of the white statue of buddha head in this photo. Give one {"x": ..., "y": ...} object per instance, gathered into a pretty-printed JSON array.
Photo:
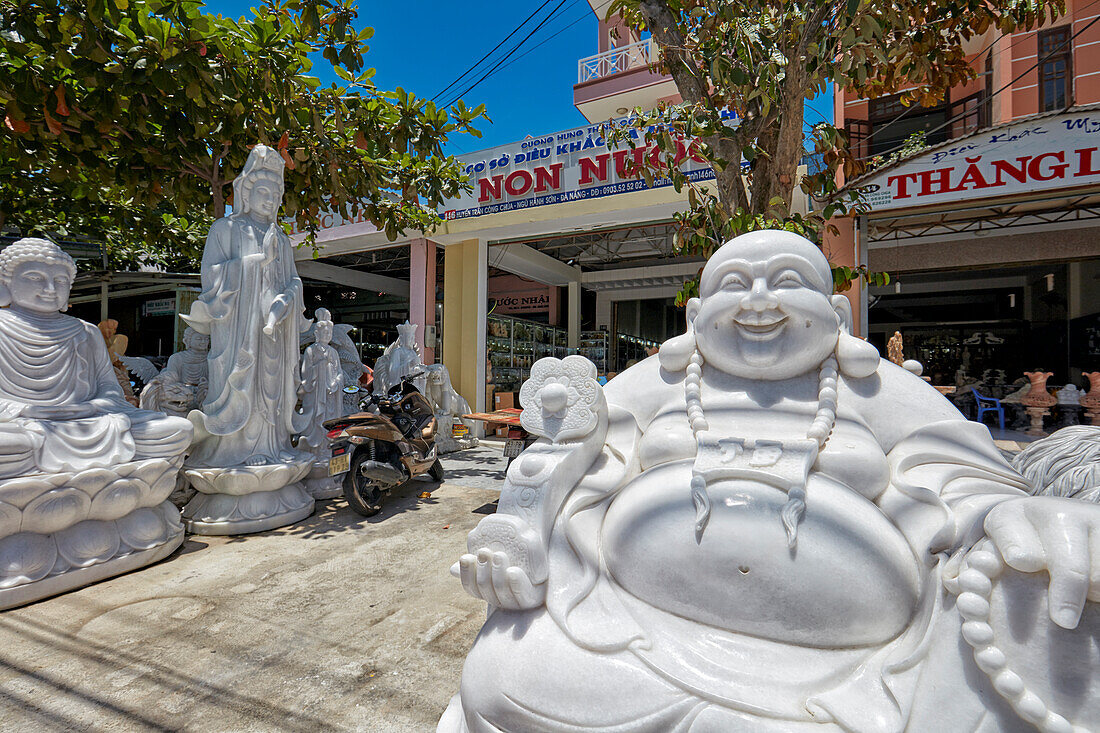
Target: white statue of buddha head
[
  {"x": 323, "y": 328},
  {"x": 35, "y": 276},
  {"x": 195, "y": 341},
  {"x": 258, "y": 190},
  {"x": 766, "y": 310}
]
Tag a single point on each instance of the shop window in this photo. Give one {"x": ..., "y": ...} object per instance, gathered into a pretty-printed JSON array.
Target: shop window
[
  {"x": 892, "y": 123},
  {"x": 1055, "y": 68}
]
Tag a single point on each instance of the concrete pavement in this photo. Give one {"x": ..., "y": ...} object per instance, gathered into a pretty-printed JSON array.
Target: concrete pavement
[{"x": 337, "y": 623}]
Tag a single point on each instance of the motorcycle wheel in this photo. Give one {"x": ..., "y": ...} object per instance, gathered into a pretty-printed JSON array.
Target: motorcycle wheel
[
  {"x": 364, "y": 496},
  {"x": 436, "y": 471}
]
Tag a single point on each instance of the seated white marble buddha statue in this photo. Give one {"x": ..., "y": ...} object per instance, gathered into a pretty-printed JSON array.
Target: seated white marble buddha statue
[
  {"x": 752, "y": 531},
  {"x": 61, "y": 407}
]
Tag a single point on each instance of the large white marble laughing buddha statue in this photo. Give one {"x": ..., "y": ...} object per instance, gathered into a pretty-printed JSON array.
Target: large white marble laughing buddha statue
[{"x": 754, "y": 530}]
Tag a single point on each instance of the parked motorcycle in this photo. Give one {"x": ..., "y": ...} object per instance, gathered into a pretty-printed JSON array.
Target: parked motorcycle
[{"x": 384, "y": 447}]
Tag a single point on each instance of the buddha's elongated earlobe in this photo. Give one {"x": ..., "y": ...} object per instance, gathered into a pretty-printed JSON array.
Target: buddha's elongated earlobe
[
  {"x": 675, "y": 354},
  {"x": 855, "y": 357},
  {"x": 5, "y": 295}
]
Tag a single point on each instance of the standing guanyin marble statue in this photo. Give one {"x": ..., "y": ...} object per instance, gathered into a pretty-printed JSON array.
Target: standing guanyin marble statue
[
  {"x": 83, "y": 474},
  {"x": 322, "y": 399},
  {"x": 251, "y": 306}
]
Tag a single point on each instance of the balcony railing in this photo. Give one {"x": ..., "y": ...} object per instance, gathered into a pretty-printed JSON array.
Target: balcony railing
[{"x": 617, "y": 60}]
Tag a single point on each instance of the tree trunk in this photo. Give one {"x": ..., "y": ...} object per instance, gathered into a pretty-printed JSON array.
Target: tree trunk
[
  {"x": 775, "y": 171},
  {"x": 219, "y": 198},
  {"x": 693, "y": 90}
]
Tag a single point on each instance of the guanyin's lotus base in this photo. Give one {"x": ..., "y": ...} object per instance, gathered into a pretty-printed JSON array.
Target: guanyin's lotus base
[
  {"x": 247, "y": 499},
  {"x": 322, "y": 486}
]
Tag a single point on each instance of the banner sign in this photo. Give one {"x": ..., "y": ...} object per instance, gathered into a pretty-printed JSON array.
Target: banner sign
[
  {"x": 566, "y": 166},
  {"x": 1027, "y": 157},
  {"x": 159, "y": 307}
]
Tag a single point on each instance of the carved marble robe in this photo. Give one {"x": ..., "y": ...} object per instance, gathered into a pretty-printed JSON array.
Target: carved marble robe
[
  {"x": 60, "y": 360},
  {"x": 253, "y": 381}
]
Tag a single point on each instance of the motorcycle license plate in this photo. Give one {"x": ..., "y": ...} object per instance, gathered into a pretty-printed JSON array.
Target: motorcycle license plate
[
  {"x": 513, "y": 448},
  {"x": 339, "y": 464}
]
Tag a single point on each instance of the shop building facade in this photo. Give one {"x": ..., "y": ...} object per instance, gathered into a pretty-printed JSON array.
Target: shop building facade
[
  {"x": 556, "y": 249},
  {"x": 992, "y": 233}
]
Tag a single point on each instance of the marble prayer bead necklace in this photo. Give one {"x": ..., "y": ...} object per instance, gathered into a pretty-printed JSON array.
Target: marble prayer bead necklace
[{"x": 819, "y": 430}]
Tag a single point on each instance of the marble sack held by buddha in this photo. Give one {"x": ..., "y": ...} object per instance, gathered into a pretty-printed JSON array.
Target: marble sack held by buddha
[
  {"x": 83, "y": 473},
  {"x": 769, "y": 528}
]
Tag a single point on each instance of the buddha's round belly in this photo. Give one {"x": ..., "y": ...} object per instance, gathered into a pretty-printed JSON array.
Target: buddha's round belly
[{"x": 852, "y": 580}]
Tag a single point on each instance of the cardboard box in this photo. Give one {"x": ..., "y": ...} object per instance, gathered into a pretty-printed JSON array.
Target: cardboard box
[
  {"x": 502, "y": 431},
  {"x": 504, "y": 400}
]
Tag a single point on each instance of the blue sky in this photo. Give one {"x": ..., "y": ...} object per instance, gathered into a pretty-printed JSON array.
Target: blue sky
[{"x": 424, "y": 45}]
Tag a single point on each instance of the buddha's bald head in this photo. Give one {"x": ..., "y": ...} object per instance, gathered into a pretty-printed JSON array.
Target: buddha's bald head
[
  {"x": 774, "y": 248},
  {"x": 766, "y": 308}
]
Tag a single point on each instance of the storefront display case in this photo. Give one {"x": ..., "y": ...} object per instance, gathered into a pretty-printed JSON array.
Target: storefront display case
[
  {"x": 594, "y": 346},
  {"x": 514, "y": 344},
  {"x": 630, "y": 349}
]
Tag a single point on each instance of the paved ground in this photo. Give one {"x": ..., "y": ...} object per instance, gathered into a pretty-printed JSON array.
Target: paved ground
[{"x": 336, "y": 623}]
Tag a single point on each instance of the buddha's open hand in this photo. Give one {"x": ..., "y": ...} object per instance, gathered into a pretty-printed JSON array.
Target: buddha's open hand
[
  {"x": 505, "y": 564},
  {"x": 1061, "y": 536},
  {"x": 492, "y": 577}
]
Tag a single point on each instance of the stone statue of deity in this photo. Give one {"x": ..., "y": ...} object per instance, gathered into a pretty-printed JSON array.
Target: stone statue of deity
[
  {"x": 449, "y": 407},
  {"x": 181, "y": 386},
  {"x": 895, "y": 348},
  {"x": 352, "y": 367},
  {"x": 83, "y": 474},
  {"x": 322, "y": 399},
  {"x": 767, "y": 527},
  {"x": 251, "y": 307},
  {"x": 400, "y": 359},
  {"x": 116, "y": 350}
]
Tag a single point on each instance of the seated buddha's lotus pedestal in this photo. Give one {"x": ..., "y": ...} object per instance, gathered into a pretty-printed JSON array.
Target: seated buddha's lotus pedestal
[{"x": 63, "y": 531}]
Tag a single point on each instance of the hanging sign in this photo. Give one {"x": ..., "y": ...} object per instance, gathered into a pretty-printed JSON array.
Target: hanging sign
[
  {"x": 160, "y": 307},
  {"x": 1035, "y": 155},
  {"x": 566, "y": 166}
]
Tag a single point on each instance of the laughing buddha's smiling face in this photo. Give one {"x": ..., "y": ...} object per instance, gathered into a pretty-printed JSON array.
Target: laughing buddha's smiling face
[{"x": 766, "y": 310}]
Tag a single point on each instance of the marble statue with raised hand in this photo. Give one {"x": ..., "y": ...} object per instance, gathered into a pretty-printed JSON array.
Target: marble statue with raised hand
[
  {"x": 350, "y": 363},
  {"x": 83, "y": 474},
  {"x": 400, "y": 359},
  {"x": 322, "y": 399},
  {"x": 181, "y": 386},
  {"x": 768, "y": 527},
  {"x": 251, "y": 307}
]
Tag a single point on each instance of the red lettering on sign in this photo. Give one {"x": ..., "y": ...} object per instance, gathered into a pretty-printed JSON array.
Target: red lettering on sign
[
  {"x": 1056, "y": 171},
  {"x": 902, "y": 182},
  {"x": 628, "y": 170},
  {"x": 547, "y": 178},
  {"x": 489, "y": 188},
  {"x": 525, "y": 181},
  {"x": 940, "y": 178},
  {"x": 597, "y": 166},
  {"x": 1084, "y": 168},
  {"x": 326, "y": 221},
  {"x": 973, "y": 177},
  {"x": 1003, "y": 166}
]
